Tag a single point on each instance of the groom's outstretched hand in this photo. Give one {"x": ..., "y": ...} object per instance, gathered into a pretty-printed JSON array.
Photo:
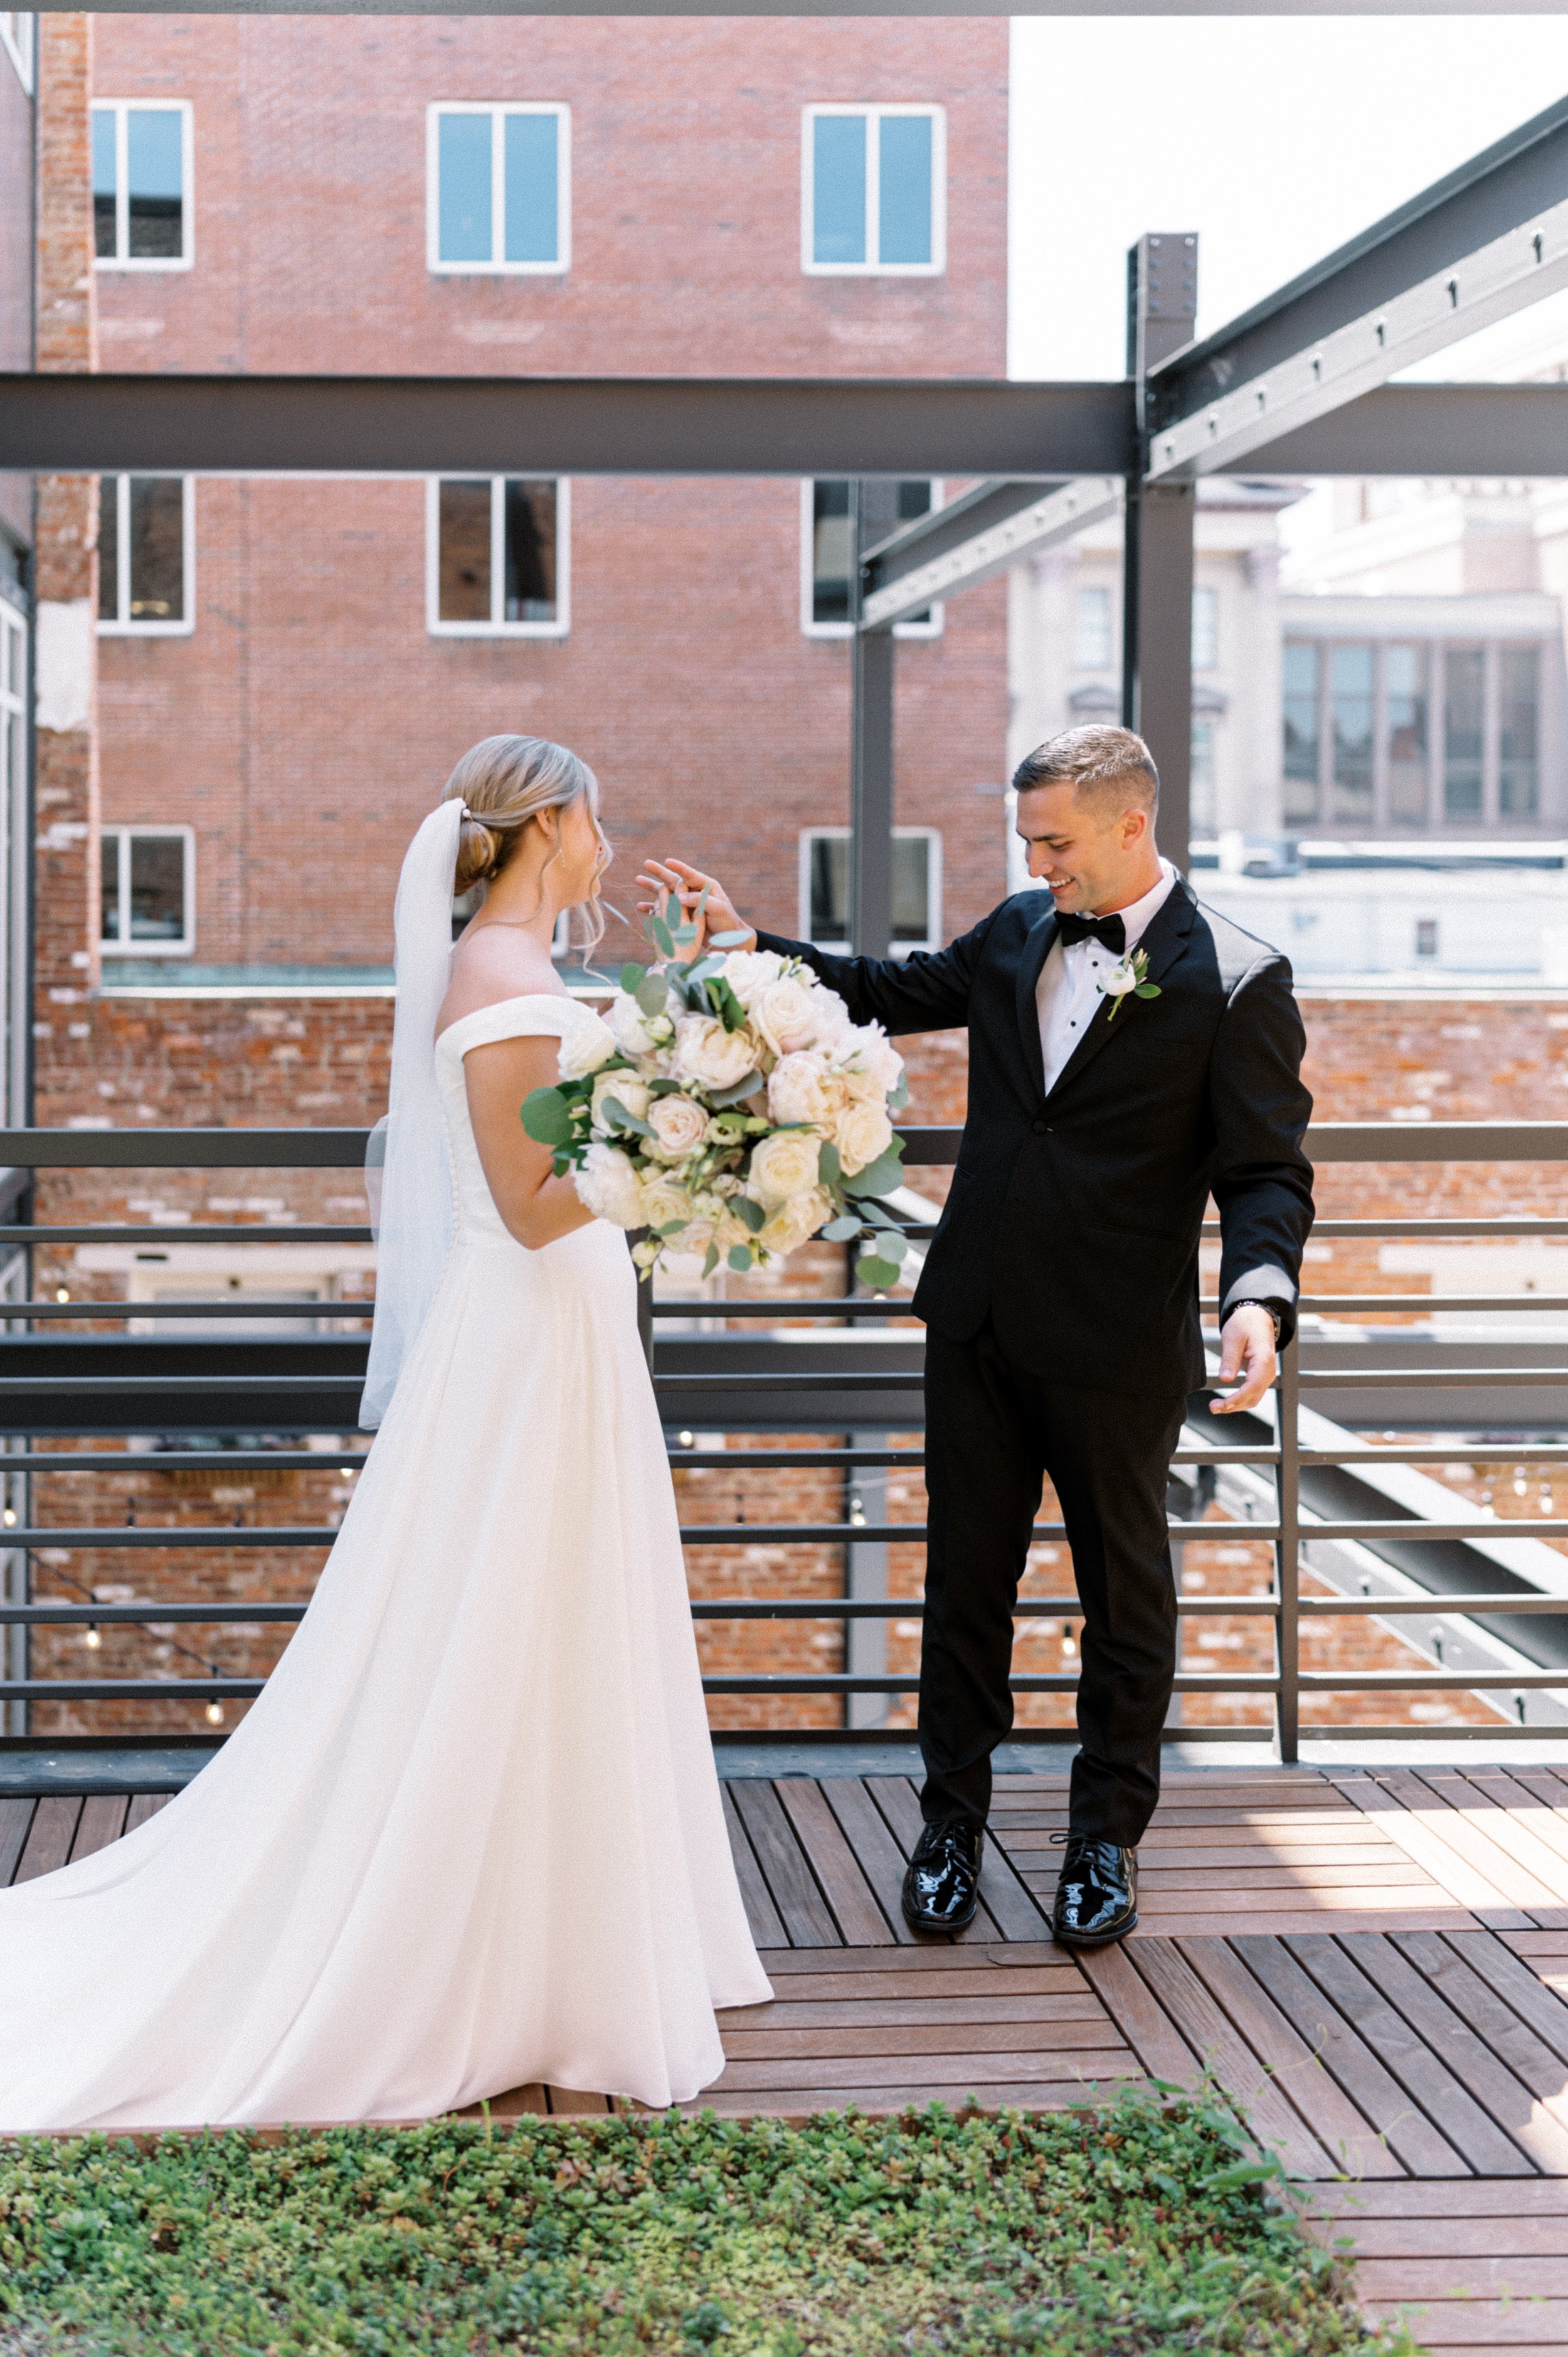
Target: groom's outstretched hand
[
  {"x": 662, "y": 877},
  {"x": 1246, "y": 1351}
]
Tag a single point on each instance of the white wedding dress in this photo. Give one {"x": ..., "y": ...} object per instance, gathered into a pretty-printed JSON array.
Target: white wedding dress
[{"x": 470, "y": 1836}]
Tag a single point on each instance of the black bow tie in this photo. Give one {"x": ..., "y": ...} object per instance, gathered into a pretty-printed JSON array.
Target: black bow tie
[{"x": 1110, "y": 932}]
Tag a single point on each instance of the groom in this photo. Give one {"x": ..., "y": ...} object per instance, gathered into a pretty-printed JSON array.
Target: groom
[{"x": 1060, "y": 1294}]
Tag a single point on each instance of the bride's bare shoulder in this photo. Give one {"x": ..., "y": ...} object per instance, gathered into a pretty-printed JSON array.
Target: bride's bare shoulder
[{"x": 492, "y": 963}]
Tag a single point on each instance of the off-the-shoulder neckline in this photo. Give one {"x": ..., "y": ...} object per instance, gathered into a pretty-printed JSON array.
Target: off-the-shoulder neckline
[{"x": 521, "y": 999}]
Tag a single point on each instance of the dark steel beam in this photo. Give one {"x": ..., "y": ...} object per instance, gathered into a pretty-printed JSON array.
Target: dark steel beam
[
  {"x": 992, "y": 527},
  {"x": 1158, "y": 541},
  {"x": 1480, "y": 244},
  {"x": 1427, "y": 429},
  {"x": 575, "y": 425}
]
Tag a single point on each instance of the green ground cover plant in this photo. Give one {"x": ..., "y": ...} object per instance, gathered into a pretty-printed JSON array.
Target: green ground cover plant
[{"x": 1137, "y": 2228}]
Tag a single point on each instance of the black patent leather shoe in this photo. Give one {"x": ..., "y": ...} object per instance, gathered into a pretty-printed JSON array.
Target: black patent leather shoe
[
  {"x": 942, "y": 1880},
  {"x": 1097, "y": 1897}
]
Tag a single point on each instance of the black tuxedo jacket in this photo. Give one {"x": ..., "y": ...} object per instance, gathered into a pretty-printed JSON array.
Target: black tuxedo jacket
[{"x": 1074, "y": 1217}]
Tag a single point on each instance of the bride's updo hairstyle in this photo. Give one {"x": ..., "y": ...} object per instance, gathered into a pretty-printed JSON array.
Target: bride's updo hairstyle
[{"x": 504, "y": 781}]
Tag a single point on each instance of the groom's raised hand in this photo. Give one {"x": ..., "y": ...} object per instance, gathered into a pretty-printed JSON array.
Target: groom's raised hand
[{"x": 662, "y": 877}]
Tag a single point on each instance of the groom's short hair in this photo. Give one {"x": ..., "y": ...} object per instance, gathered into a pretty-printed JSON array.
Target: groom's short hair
[{"x": 1110, "y": 769}]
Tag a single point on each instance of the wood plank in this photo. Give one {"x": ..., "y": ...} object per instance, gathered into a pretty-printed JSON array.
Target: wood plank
[
  {"x": 1505, "y": 2200},
  {"x": 1409, "y": 2135},
  {"x": 16, "y": 1817},
  {"x": 1147, "y": 2029},
  {"x": 983, "y": 1986},
  {"x": 574, "y": 2103},
  {"x": 878, "y": 1856},
  {"x": 1494, "y": 2022},
  {"x": 766, "y": 1926},
  {"x": 838, "y": 2013},
  {"x": 1225, "y": 1846},
  {"x": 1459, "y": 1829},
  {"x": 1327, "y": 2110},
  {"x": 1469, "y": 2277},
  {"x": 1477, "y": 2328},
  {"x": 144, "y": 1806},
  {"x": 102, "y": 1820},
  {"x": 803, "y": 1911},
  {"x": 1454, "y": 1871},
  {"x": 1537, "y": 1858},
  {"x": 804, "y": 2102},
  {"x": 1456, "y": 2238},
  {"x": 1335, "y": 1968},
  {"x": 518, "y": 2102},
  {"x": 53, "y": 1829},
  {"x": 925, "y": 1956},
  {"x": 862, "y": 1923},
  {"x": 1518, "y": 1986},
  {"x": 1511, "y": 1793},
  {"x": 1272, "y": 2118},
  {"x": 967, "y": 2072},
  {"x": 1008, "y": 1897},
  {"x": 1385, "y": 1874},
  {"x": 1446, "y": 2026},
  {"x": 936, "y": 2034},
  {"x": 1279, "y": 1915}
]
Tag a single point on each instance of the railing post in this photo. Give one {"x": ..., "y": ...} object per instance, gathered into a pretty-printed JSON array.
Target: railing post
[{"x": 1287, "y": 1653}]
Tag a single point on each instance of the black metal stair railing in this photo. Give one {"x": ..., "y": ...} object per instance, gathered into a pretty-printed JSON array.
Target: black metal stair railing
[{"x": 840, "y": 1377}]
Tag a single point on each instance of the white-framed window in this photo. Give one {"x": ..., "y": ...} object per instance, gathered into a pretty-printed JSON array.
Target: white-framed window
[
  {"x": 827, "y": 559},
  {"x": 916, "y": 887},
  {"x": 149, "y": 891},
  {"x": 1205, "y": 628},
  {"x": 18, "y": 37},
  {"x": 498, "y": 187},
  {"x": 141, "y": 155},
  {"x": 497, "y": 556},
  {"x": 1092, "y": 646},
  {"x": 146, "y": 555},
  {"x": 874, "y": 190}
]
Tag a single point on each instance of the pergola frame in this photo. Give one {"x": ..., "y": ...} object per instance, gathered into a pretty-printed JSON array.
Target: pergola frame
[{"x": 1297, "y": 385}]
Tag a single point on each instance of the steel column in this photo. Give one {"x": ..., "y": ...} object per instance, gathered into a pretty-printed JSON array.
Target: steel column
[
  {"x": 872, "y": 511},
  {"x": 1157, "y": 558}
]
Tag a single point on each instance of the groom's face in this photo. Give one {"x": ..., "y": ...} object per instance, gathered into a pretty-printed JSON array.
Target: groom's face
[{"x": 1090, "y": 859}]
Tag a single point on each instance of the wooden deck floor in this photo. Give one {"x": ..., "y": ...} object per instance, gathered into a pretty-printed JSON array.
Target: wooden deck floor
[{"x": 1375, "y": 1963}]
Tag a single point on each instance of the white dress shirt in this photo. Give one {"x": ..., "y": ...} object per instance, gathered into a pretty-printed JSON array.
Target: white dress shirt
[{"x": 1068, "y": 991}]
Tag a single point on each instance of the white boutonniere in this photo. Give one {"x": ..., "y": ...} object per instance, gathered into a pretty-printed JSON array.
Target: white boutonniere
[{"x": 1129, "y": 978}]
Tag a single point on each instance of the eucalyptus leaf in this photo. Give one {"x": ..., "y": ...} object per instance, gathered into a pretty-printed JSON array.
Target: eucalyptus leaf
[
  {"x": 729, "y": 941},
  {"x": 878, "y": 1274},
  {"x": 652, "y": 994},
  {"x": 672, "y": 1228},
  {"x": 839, "y": 1231},
  {"x": 721, "y": 1099},
  {"x": 889, "y": 1246},
  {"x": 710, "y": 1260},
  {"x": 745, "y": 1208},
  {"x": 631, "y": 977},
  {"x": 878, "y": 1178},
  {"x": 546, "y": 1118},
  {"x": 829, "y": 1169},
  {"x": 740, "y": 1258},
  {"x": 659, "y": 933},
  {"x": 619, "y": 1117}
]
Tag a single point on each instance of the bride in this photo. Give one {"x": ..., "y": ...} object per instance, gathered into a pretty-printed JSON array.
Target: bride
[{"x": 469, "y": 1837}]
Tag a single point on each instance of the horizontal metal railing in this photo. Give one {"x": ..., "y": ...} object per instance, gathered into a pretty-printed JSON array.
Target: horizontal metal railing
[{"x": 75, "y": 1386}]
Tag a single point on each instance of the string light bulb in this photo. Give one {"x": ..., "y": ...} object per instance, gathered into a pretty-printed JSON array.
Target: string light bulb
[
  {"x": 93, "y": 1638},
  {"x": 62, "y": 1293},
  {"x": 9, "y": 1518},
  {"x": 214, "y": 1714}
]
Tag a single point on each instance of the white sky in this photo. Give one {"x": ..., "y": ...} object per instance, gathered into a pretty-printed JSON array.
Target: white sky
[{"x": 1275, "y": 138}]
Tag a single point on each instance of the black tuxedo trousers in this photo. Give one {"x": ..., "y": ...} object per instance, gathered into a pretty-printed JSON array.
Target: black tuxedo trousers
[{"x": 993, "y": 1429}]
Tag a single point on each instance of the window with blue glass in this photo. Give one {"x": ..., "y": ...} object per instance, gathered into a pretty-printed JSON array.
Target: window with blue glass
[
  {"x": 873, "y": 195},
  {"x": 141, "y": 185},
  {"x": 500, "y": 188}
]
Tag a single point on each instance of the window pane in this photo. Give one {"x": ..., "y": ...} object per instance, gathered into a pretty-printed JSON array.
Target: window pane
[
  {"x": 911, "y": 887},
  {"x": 830, "y": 554},
  {"x": 1463, "y": 720},
  {"x": 158, "y": 888},
  {"x": 530, "y": 593},
  {"x": 157, "y": 549},
  {"x": 838, "y": 188},
  {"x": 904, "y": 189},
  {"x": 830, "y": 888},
  {"x": 1301, "y": 796},
  {"x": 104, "y": 182},
  {"x": 1404, "y": 743},
  {"x": 1350, "y": 678},
  {"x": 463, "y": 202},
  {"x": 155, "y": 177},
  {"x": 1518, "y": 762},
  {"x": 1091, "y": 635},
  {"x": 532, "y": 232},
  {"x": 109, "y": 548},
  {"x": 1205, "y": 629},
  {"x": 1202, "y": 777},
  {"x": 111, "y": 872},
  {"x": 463, "y": 562}
]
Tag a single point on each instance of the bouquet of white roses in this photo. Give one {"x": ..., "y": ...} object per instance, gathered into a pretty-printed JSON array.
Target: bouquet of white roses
[{"x": 729, "y": 1107}]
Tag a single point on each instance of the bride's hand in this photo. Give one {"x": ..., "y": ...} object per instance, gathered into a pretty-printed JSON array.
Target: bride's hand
[{"x": 662, "y": 877}]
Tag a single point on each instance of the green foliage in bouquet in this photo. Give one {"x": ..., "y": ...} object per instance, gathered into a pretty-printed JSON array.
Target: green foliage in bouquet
[{"x": 561, "y": 1116}]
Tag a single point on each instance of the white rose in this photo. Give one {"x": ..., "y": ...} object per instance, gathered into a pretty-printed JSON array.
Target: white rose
[
  {"x": 749, "y": 971},
  {"x": 636, "y": 1034},
  {"x": 833, "y": 1016},
  {"x": 863, "y": 1133},
  {"x": 1120, "y": 980},
  {"x": 608, "y": 1184},
  {"x": 588, "y": 1044},
  {"x": 870, "y": 1063},
  {"x": 795, "y": 1222},
  {"x": 630, "y": 1092},
  {"x": 801, "y": 1088},
  {"x": 782, "y": 1166},
  {"x": 679, "y": 1125},
  {"x": 786, "y": 1015},
  {"x": 716, "y": 1059},
  {"x": 664, "y": 1199}
]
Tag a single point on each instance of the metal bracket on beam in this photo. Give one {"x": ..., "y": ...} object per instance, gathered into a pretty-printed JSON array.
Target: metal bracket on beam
[{"x": 1051, "y": 515}]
